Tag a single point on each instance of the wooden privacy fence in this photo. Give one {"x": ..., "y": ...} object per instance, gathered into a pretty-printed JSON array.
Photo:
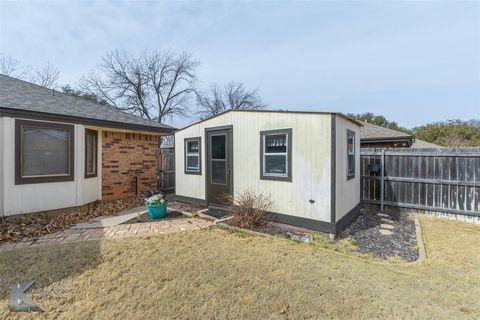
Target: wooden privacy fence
[
  {"x": 443, "y": 180},
  {"x": 167, "y": 168}
]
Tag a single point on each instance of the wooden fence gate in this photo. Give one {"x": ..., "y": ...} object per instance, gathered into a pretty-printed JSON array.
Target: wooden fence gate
[
  {"x": 167, "y": 168},
  {"x": 443, "y": 180}
]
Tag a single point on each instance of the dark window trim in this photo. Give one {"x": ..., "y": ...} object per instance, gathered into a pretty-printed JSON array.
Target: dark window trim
[
  {"x": 349, "y": 134},
  {"x": 288, "y": 178},
  {"x": 199, "y": 139},
  {"x": 18, "y": 149},
  {"x": 95, "y": 134},
  {"x": 210, "y": 158},
  {"x": 231, "y": 164}
]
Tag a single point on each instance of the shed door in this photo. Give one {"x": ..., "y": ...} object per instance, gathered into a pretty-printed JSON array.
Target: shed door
[{"x": 219, "y": 165}]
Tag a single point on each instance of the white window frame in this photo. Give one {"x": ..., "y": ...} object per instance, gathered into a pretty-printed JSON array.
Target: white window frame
[
  {"x": 193, "y": 154},
  {"x": 288, "y": 140}
]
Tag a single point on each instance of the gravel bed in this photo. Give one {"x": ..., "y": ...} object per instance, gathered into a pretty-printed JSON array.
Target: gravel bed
[{"x": 365, "y": 230}]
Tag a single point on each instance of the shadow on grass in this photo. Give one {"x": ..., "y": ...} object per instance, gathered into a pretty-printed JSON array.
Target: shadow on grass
[{"x": 47, "y": 265}]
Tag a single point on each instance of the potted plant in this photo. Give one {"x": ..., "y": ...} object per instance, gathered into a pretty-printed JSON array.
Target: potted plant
[{"x": 157, "y": 206}]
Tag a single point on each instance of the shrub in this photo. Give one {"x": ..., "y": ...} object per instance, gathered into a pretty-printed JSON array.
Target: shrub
[{"x": 248, "y": 208}]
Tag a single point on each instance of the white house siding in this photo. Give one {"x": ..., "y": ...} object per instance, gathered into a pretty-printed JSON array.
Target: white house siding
[
  {"x": 19, "y": 199},
  {"x": 1, "y": 166},
  {"x": 311, "y": 160},
  {"x": 347, "y": 192}
]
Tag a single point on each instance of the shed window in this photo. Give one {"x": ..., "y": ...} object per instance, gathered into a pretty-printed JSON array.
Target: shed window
[
  {"x": 276, "y": 151},
  {"x": 91, "y": 141},
  {"x": 350, "y": 154},
  {"x": 192, "y": 155},
  {"x": 43, "y": 151}
]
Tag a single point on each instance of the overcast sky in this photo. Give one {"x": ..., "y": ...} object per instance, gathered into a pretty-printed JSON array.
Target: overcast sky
[{"x": 414, "y": 62}]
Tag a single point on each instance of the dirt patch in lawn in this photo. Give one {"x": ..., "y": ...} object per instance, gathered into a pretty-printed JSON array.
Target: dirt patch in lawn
[
  {"x": 219, "y": 274},
  {"x": 277, "y": 229}
]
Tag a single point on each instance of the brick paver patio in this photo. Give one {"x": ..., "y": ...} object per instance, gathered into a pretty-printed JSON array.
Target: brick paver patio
[{"x": 119, "y": 231}]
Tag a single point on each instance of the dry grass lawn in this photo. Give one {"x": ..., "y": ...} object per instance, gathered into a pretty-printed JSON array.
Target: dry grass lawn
[{"x": 217, "y": 274}]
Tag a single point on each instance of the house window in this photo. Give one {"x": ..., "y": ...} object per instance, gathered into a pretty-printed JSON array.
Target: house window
[
  {"x": 350, "y": 154},
  {"x": 192, "y": 155},
  {"x": 276, "y": 155},
  {"x": 91, "y": 142},
  {"x": 44, "y": 152}
]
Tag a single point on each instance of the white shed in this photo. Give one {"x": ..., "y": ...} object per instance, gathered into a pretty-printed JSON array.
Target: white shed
[{"x": 308, "y": 162}]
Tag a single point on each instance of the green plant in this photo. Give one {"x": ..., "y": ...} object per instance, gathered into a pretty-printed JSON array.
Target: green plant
[{"x": 156, "y": 200}]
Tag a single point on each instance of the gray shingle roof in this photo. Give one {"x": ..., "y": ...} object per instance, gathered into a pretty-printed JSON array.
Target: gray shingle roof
[
  {"x": 371, "y": 132},
  {"x": 21, "y": 96},
  {"x": 419, "y": 144}
]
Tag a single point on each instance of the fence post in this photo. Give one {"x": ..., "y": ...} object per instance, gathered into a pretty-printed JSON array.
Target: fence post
[{"x": 382, "y": 179}]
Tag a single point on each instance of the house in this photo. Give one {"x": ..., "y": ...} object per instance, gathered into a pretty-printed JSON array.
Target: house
[
  {"x": 373, "y": 136},
  {"x": 420, "y": 144},
  {"x": 308, "y": 162},
  {"x": 59, "y": 151}
]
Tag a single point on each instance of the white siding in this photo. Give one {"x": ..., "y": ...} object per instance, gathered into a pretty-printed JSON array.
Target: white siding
[
  {"x": 347, "y": 191},
  {"x": 36, "y": 197},
  {"x": 1, "y": 166},
  {"x": 311, "y": 160}
]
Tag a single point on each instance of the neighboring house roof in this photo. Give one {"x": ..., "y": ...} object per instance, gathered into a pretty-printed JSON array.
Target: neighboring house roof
[
  {"x": 419, "y": 144},
  {"x": 19, "y": 98},
  {"x": 274, "y": 111},
  {"x": 372, "y": 133}
]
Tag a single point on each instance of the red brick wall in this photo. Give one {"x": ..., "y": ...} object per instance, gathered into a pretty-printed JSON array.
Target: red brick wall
[{"x": 128, "y": 164}]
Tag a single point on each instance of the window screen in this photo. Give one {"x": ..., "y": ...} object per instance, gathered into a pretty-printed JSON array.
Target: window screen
[
  {"x": 192, "y": 155},
  {"x": 90, "y": 153},
  {"x": 276, "y": 154},
  {"x": 350, "y": 154},
  {"x": 43, "y": 152}
]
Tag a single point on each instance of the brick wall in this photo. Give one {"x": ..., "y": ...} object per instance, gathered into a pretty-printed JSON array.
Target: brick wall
[{"x": 128, "y": 164}]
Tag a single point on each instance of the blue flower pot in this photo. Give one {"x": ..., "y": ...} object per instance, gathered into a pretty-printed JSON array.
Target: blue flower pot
[{"x": 157, "y": 211}]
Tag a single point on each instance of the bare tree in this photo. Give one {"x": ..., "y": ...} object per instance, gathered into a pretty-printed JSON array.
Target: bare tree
[
  {"x": 168, "y": 141},
  {"x": 155, "y": 85},
  {"x": 12, "y": 67},
  {"x": 45, "y": 75},
  {"x": 231, "y": 96},
  {"x": 211, "y": 102}
]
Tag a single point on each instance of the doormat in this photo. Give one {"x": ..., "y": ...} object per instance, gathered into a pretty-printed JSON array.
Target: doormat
[{"x": 215, "y": 213}]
